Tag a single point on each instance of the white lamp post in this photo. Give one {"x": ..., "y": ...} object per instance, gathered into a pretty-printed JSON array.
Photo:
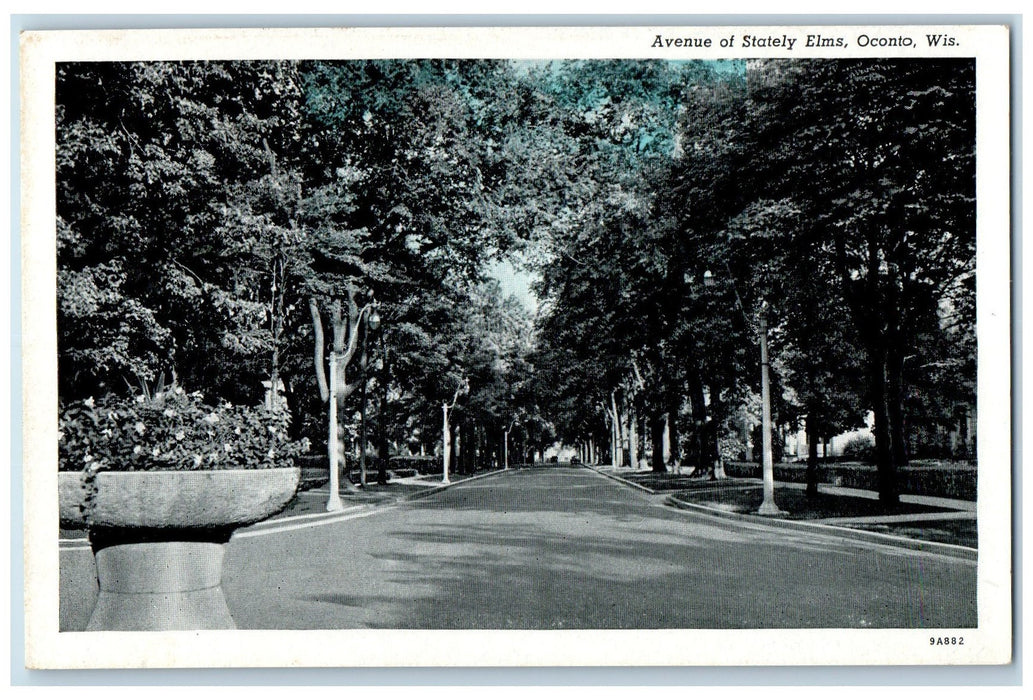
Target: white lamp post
[
  {"x": 372, "y": 323},
  {"x": 505, "y": 444},
  {"x": 767, "y": 506},
  {"x": 334, "y": 502},
  {"x": 446, "y": 431}
]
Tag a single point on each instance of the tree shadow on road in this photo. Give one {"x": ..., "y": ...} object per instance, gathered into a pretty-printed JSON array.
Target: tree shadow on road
[
  {"x": 517, "y": 553},
  {"x": 553, "y": 574}
]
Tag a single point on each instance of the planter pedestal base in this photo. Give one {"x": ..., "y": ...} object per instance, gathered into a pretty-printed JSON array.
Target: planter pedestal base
[
  {"x": 159, "y": 538},
  {"x": 161, "y": 586}
]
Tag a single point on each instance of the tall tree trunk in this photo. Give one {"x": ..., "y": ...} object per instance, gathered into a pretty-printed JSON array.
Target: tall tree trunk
[
  {"x": 483, "y": 451},
  {"x": 468, "y": 447},
  {"x": 453, "y": 464},
  {"x": 462, "y": 431},
  {"x": 317, "y": 332},
  {"x": 699, "y": 420},
  {"x": 658, "y": 424},
  {"x": 812, "y": 450},
  {"x": 714, "y": 435},
  {"x": 383, "y": 425},
  {"x": 617, "y": 442},
  {"x": 884, "y": 462},
  {"x": 343, "y": 392},
  {"x": 895, "y": 405},
  {"x": 632, "y": 436},
  {"x": 666, "y": 439},
  {"x": 675, "y": 438},
  {"x": 447, "y": 444},
  {"x": 613, "y": 441}
]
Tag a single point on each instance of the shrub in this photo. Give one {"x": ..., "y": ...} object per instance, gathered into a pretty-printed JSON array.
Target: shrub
[
  {"x": 945, "y": 479},
  {"x": 731, "y": 447},
  {"x": 171, "y": 430},
  {"x": 422, "y": 464},
  {"x": 861, "y": 448}
]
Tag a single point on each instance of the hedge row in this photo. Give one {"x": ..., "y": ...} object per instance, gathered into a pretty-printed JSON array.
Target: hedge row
[
  {"x": 312, "y": 465},
  {"x": 946, "y": 481},
  {"x": 315, "y": 469},
  {"x": 421, "y": 464}
]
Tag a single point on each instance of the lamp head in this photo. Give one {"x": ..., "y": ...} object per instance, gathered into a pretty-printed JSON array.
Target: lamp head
[
  {"x": 374, "y": 319},
  {"x": 708, "y": 279}
]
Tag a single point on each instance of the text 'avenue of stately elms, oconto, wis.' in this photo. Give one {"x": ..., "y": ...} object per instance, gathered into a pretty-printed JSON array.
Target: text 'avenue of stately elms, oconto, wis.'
[{"x": 810, "y": 41}]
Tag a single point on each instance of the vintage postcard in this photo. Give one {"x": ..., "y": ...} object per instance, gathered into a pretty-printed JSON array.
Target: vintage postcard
[{"x": 516, "y": 346}]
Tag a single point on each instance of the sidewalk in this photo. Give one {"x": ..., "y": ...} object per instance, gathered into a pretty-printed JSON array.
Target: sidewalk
[
  {"x": 916, "y": 521},
  {"x": 313, "y": 500}
]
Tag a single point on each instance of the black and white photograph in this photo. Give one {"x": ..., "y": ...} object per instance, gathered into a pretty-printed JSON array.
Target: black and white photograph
[{"x": 694, "y": 341}]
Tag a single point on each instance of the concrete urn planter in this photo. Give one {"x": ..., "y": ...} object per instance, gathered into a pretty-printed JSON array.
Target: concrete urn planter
[{"x": 159, "y": 539}]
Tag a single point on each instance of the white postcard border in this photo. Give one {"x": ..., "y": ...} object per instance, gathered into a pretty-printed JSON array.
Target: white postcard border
[{"x": 45, "y": 647}]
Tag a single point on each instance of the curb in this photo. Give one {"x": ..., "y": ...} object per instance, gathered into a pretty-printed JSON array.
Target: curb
[
  {"x": 431, "y": 489},
  {"x": 621, "y": 480},
  {"x": 441, "y": 487},
  {"x": 952, "y": 550}
]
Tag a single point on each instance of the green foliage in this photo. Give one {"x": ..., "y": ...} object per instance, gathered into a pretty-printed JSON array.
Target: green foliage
[
  {"x": 125, "y": 337},
  {"x": 942, "y": 479},
  {"x": 202, "y": 206},
  {"x": 861, "y": 448},
  {"x": 614, "y": 279},
  {"x": 811, "y": 184},
  {"x": 171, "y": 430},
  {"x": 417, "y": 464},
  {"x": 163, "y": 251}
]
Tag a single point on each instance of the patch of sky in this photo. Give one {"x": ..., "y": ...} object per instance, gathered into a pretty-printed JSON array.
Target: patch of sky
[{"x": 515, "y": 282}]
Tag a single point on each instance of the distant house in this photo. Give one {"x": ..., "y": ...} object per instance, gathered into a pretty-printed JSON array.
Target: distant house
[
  {"x": 958, "y": 442},
  {"x": 796, "y": 442}
]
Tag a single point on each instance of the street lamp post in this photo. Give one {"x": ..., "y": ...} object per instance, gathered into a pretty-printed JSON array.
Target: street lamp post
[
  {"x": 382, "y": 415},
  {"x": 505, "y": 444},
  {"x": 767, "y": 506},
  {"x": 446, "y": 432},
  {"x": 372, "y": 323}
]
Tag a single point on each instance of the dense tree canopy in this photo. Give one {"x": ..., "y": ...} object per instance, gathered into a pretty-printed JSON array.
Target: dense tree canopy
[{"x": 232, "y": 222}]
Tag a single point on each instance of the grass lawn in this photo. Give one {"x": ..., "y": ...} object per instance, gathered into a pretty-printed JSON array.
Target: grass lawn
[
  {"x": 961, "y": 532},
  {"x": 743, "y": 496},
  {"x": 308, "y": 502},
  {"x": 680, "y": 482},
  {"x": 746, "y": 497}
]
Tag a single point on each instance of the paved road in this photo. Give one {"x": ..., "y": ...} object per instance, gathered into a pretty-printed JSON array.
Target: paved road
[{"x": 567, "y": 548}]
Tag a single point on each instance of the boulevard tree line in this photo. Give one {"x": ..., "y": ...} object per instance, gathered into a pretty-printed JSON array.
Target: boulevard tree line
[
  {"x": 233, "y": 223},
  {"x": 835, "y": 197}
]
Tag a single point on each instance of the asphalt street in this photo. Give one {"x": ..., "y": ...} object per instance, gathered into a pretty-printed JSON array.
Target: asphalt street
[{"x": 559, "y": 548}]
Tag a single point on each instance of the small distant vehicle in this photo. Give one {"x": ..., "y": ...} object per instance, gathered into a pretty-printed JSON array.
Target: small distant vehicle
[{"x": 575, "y": 460}]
